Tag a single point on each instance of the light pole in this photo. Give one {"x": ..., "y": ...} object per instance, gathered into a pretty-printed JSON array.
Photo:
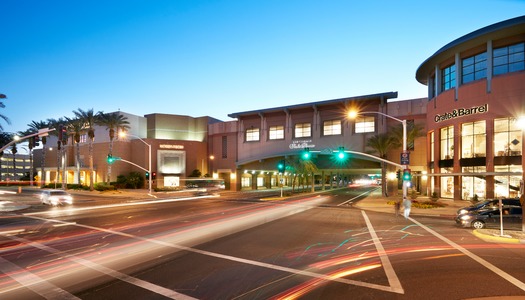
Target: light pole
[
  {"x": 354, "y": 114},
  {"x": 123, "y": 134}
]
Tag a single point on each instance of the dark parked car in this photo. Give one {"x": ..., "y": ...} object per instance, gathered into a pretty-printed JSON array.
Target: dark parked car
[
  {"x": 489, "y": 204},
  {"x": 490, "y": 217}
]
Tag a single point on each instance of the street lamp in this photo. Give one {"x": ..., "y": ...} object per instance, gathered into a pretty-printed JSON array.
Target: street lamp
[
  {"x": 354, "y": 114},
  {"x": 124, "y": 134}
]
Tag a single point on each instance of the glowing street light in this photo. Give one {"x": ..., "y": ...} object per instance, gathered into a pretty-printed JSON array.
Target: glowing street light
[
  {"x": 353, "y": 114},
  {"x": 124, "y": 134}
]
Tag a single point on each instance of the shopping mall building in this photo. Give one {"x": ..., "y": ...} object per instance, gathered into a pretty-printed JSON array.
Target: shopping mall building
[{"x": 471, "y": 143}]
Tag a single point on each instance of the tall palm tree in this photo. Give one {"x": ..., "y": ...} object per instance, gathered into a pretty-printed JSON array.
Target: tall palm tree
[
  {"x": 35, "y": 126},
  {"x": 5, "y": 138},
  {"x": 30, "y": 146},
  {"x": 2, "y": 105},
  {"x": 89, "y": 118},
  {"x": 59, "y": 124},
  {"x": 75, "y": 128},
  {"x": 380, "y": 144},
  {"x": 414, "y": 131},
  {"x": 113, "y": 122},
  {"x": 14, "y": 151}
]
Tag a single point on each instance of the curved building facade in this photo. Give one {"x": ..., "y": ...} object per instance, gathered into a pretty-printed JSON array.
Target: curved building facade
[{"x": 476, "y": 104}]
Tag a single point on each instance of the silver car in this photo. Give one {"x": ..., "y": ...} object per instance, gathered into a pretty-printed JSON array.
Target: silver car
[{"x": 55, "y": 197}]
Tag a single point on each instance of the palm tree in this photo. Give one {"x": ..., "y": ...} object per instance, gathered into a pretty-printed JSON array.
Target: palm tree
[
  {"x": 113, "y": 122},
  {"x": 30, "y": 146},
  {"x": 14, "y": 151},
  {"x": 413, "y": 131},
  {"x": 75, "y": 127},
  {"x": 89, "y": 118},
  {"x": 59, "y": 124},
  {"x": 380, "y": 145},
  {"x": 2, "y": 105},
  {"x": 5, "y": 138},
  {"x": 35, "y": 126}
]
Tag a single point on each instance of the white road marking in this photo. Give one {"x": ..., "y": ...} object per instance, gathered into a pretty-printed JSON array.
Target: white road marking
[
  {"x": 393, "y": 280},
  {"x": 107, "y": 271},
  {"x": 350, "y": 200},
  {"x": 34, "y": 282},
  {"x": 478, "y": 259}
]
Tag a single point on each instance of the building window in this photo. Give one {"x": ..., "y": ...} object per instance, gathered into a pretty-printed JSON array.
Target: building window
[
  {"x": 276, "y": 132},
  {"x": 473, "y": 185},
  {"x": 447, "y": 184},
  {"x": 474, "y": 67},
  {"x": 507, "y": 137},
  {"x": 509, "y": 59},
  {"x": 448, "y": 78},
  {"x": 332, "y": 127},
  {"x": 432, "y": 146},
  {"x": 507, "y": 186},
  {"x": 303, "y": 130},
  {"x": 447, "y": 143},
  {"x": 224, "y": 146},
  {"x": 365, "y": 124},
  {"x": 252, "y": 134},
  {"x": 473, "y": 140}
]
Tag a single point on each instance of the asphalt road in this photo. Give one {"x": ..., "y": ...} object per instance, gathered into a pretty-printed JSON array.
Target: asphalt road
[{"x": 237, "y": 247}]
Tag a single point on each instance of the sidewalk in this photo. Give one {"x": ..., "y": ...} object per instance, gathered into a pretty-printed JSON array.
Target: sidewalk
[{"x": 376, "y": 202}]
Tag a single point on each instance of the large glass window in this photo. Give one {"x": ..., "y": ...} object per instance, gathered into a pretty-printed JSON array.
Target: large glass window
[
  {"x": 509, "y": 59},
  {"x": 473, "y": 140},
  {"x": 332, "y": 127},
  {"x": 364, "y": 124},
  {"x": 432, "y": 146},
  {"x": 447, "y": 143},
  {"x": 448, "y": 78},
  {"x": 252, "y": 134},
  {"x": 303, "y": 130},
  {"x": 507, "y": 186},
  {"x": 474, "y": 67},
  {"x": 507, "y": 137},
  {"x": 473, "y": 186},
  {"x": 276, "y": 132},
  {"x": 447, "y": 184}
]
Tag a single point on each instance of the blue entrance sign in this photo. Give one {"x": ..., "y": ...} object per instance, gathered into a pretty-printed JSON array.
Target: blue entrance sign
[{"x": 405, "y": 158}]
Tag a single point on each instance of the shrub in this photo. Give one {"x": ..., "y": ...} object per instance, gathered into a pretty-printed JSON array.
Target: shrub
[{"x": 104, "y": 187}]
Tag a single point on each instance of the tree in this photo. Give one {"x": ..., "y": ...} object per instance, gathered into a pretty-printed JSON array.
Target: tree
[
  {"x": 413, "y": 131},
  {"x": 30, "y": 146},
  {"x": 35, "y": 126},
  {"x": 2, "y": 105},
  {"x": 5, "y": 138},
  {"x": 380, "y": 144},
  {"x": 301, "y": 170},
  {"x": 75, "y": 128},
  {"x": 113, "y": 122},
  {"x": 61, "y": 143},
  {"x": 89, "y": 118},
  {"x": 14, "y": 151}
]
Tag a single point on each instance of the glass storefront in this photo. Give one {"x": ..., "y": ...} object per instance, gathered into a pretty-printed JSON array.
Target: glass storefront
[
  {"x": 473, "y": 186},
  {"x": 507, "y": 186},
  {"x": 447, "y": 184}
]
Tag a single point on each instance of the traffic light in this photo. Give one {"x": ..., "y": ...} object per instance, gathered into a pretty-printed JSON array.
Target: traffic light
[
  {"x": 36, "y": 141},
  {"x": 340, "y": 154},
  {"x": 110, "y": 159},
  {"x": 147, "y": 175},
  {"x": 407, "y": 175},
  {"x": 281, "y": 166},
  {"x": 398, "y": 174},
  {"x": 153, "y": 175},
  {"x": 306, "y": 154}
]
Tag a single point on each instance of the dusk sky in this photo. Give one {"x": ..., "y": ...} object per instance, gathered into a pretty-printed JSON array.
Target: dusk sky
[{"x": 213, "y": 58}]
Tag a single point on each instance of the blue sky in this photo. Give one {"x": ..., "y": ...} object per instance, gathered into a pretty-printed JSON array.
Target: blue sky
[{"x": 213, "y": 58}]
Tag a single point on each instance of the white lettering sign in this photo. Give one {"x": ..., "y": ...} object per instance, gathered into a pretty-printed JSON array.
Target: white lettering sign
[
  {"x": 301, "y": 144},
  {"x": 461, "y": 112},
  {"x": 178, "y": 147}
]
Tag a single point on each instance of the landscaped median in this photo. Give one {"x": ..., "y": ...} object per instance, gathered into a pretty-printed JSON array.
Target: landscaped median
[{"x": 494, "y": 235}]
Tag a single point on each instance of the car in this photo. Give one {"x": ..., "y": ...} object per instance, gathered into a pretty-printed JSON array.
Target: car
[
  {"x": 490, "y": 217},
  {"x": 487, "y": 204},
  {"x": 56, "y": 197}
]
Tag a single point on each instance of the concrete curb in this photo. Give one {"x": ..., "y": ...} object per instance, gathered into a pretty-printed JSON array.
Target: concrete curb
[{"x": 497, "y": 238}]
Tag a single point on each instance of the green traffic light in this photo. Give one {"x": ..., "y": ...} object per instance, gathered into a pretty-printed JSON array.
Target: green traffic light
[{"x": 341, "y": 154}]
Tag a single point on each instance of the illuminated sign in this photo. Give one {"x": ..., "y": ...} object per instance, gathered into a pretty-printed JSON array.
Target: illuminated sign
[
  {"x": 461, "y": 112},
  {"x": 165, "y": 146},
  {"x": 301, "y": 144}
]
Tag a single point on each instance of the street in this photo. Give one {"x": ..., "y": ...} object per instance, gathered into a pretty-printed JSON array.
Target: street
[{"x": 314, "y": 246}]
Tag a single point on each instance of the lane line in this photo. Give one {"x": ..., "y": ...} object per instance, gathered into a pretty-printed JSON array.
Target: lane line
[
  {"x": 104, "y": 270},
  {"x": 393, "y": 280},
  {"x": 350, "y": 200},
  {"x": 34, "y": 282},
  {"x": 476, "y": 258}
]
